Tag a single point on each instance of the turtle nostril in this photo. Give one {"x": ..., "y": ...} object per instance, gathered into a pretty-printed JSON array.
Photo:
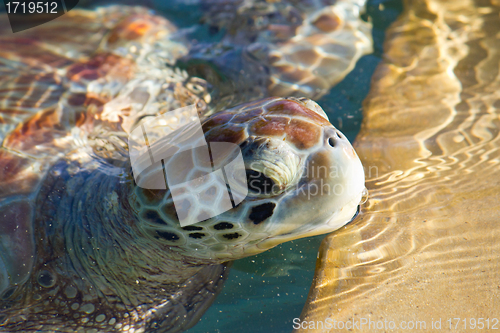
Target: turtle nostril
[{"x": 331, "y": 142}]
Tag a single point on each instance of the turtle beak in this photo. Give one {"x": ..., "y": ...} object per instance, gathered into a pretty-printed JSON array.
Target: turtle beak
[{"x": 356, "y": 214}]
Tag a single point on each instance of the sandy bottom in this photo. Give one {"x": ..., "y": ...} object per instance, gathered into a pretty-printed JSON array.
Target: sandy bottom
[{"x": 424, "y": 254}]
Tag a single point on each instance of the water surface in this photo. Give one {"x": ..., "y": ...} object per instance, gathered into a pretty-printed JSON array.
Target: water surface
[{"x": 426, "y": 246}]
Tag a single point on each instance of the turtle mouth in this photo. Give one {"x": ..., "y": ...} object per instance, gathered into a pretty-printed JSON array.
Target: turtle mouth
[
  {"x": 364, "y": 198},
  {"x": 336, "y": 222},
  {"x": 314, "y": 229},
  {"x": 358, "y": 210}
]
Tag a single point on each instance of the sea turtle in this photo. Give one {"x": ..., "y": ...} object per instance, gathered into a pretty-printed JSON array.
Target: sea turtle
[{"x": 82, "y": 246}]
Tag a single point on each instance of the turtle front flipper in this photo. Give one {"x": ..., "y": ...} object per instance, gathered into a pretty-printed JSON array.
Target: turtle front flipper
[
  {"x": 184, "y": 309},
  {"x": 17, "y": 247}
]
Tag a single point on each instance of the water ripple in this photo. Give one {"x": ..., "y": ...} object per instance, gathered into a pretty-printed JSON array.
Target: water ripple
[{"x": 426, "y": 245}]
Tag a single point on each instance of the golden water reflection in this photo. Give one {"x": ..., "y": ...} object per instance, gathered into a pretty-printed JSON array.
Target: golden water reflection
[{"x": 427, "y": 244}]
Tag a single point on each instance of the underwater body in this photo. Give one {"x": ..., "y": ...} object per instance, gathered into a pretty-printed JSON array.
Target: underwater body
[{"x": 427, "y": 144}]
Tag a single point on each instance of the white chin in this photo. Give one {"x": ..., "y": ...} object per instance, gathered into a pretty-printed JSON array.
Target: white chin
[
  {"x": 336, "y": 221},
  {"x": 345, "y": 215}
]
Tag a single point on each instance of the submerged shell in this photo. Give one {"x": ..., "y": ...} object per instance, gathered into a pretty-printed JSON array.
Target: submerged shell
[{"x": 306, "y": 46}]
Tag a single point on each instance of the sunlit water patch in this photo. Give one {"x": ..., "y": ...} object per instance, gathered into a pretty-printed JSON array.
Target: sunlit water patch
[{"x": 425, "y": 249}]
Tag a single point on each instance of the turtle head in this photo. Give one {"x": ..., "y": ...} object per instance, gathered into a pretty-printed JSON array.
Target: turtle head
[{"x": 301, "y": 177}]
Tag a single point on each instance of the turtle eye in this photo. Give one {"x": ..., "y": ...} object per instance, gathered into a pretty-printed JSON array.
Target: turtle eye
[
  {"x": 259, "y": 183},
  {"x": 271, "y": 166}
]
